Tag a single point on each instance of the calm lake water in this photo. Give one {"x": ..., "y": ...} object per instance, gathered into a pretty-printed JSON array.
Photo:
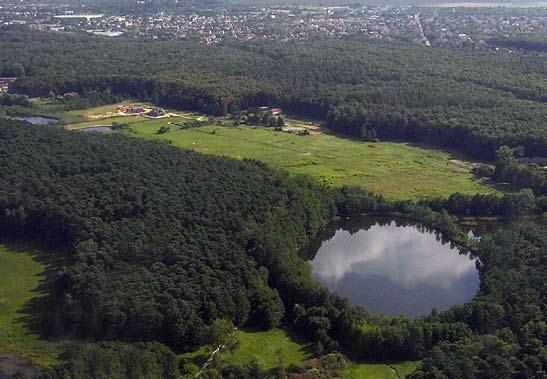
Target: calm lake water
[
  {"x": 36, "y": 120},
  {"x": 392, "y": 267},
  {"x": 96, "y": 129}
]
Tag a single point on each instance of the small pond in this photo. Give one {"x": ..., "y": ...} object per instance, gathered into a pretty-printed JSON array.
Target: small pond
[
  {"x": 96, "y": 129},
  {"x": 12, "y": 365},
  {"x": 36, "y": 120},
  {"x": 392, "y": 267}
]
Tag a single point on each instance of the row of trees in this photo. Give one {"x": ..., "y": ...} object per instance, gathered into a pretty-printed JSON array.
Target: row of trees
[
  {"x": 510, "y": 205},
  {"x": 519, "y": 176}
]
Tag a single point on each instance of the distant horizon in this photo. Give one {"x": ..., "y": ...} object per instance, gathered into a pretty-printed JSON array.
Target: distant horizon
[
  {"x": 439, "y": 3},
  {"x": 318, "y": 3}
]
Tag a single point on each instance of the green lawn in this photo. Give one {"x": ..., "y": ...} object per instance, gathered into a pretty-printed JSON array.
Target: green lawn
[
  {"x": 20, "y": 275},
  {"x": 405, "y": 368},
  {"x": 270, "y": 348},
  {"x": 397, "y": 170},
  {"x": 379, "y": 370},
  {"x": 275, "y": 346}
]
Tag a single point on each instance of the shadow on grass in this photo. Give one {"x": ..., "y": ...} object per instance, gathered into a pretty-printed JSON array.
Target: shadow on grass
[{"x": 36, "y": 314}]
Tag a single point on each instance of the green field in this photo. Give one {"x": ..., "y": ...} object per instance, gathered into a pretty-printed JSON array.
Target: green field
[
  {"x": 273, "y": 347},
  {"x": 379, "y": 370},
  {"x": 20, "y": 275},
  {"x": 396, "y": 170},
  {"x": 270, "y": 348}
]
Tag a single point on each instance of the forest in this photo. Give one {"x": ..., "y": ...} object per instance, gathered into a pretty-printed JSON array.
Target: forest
[
  {"x": 471, "y": 101},
  {"x": 150, "y": 258},
  {"x": 161, "y": 244}
]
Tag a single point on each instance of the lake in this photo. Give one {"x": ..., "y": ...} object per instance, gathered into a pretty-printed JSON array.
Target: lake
[
  {"x": 10, "y": 365},
  {"x": 392, "y": 267},
  {"x": 96, "y": 129},
  {"x": 36, "y": 120}
]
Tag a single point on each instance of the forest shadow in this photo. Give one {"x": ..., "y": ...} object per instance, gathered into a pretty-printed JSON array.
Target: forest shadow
[{"x": 35, "y": 314}]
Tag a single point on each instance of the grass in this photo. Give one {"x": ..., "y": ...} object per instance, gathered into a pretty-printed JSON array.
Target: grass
[
  {"x": 405, "y": 368},
  {"x": 83, "y": 115},
  {"x": 20, "y": 275},
  {"x": 379, "y": 370},
  {"x": 273, "y": 346},
  {"x": 396, "y": 170},
  {"x": 268, "y": 347}
]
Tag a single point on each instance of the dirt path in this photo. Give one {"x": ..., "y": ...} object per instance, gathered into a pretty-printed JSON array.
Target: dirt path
[
  {"x": 394, "y": 371},
  {"x": 211, "y": 357}
]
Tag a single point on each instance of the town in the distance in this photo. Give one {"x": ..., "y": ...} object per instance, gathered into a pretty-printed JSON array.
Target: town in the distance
[{"x": 478, "y": 25}]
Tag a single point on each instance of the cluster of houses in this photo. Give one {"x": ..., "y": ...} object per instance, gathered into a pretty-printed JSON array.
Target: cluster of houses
[
  {"x": 4, "y": 84},
  {"x": 138, "y": 109}
]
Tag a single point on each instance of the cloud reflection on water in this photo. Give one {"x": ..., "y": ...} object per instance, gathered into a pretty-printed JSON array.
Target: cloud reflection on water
[{"x": 396, "y": 260}]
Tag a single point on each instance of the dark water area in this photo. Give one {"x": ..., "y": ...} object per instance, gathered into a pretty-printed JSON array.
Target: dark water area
[
  {"x": 36, "y": 120},
  {"x": 96, "y": 129},
  {"x": 12, "y": 365},
  {"x": 392, "y": 267}
]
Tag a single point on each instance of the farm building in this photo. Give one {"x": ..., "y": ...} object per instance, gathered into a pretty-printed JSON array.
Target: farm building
[
  {"x": 132, "y": 109},
  {"x": 156, "y": 113}
]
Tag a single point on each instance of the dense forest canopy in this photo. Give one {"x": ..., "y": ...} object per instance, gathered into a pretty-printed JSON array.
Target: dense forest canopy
[
  {"x": 475, "y": 101},
  {"x": 508, "y": 313},
  {"x": 157, "y": 236}
]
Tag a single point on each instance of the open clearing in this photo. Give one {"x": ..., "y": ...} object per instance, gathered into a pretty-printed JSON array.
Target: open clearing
[
  {"x": 269, "y": 348},
  {"x": 275, "y": 346},
  {"x": 396, "y": 170},
  {"x": 20, "y": 275},
  {"x": 379, "y": 370}
]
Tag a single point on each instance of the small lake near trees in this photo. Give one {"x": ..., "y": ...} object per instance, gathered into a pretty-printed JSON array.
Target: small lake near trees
[
  {"x": 96, "y": 129},
  {"x": 392, "y": 267},
  {"x": 36, "y": 120}
]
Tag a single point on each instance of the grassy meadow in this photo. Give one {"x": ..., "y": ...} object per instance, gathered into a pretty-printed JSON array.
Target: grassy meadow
[
  {"x": 379, "y": 370},
  {"x": 270, "y": 348},
  {"x": 20, "y": 275},
  {"x": 396, "y": 170},
  {"x": 276, "y": 346}
]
